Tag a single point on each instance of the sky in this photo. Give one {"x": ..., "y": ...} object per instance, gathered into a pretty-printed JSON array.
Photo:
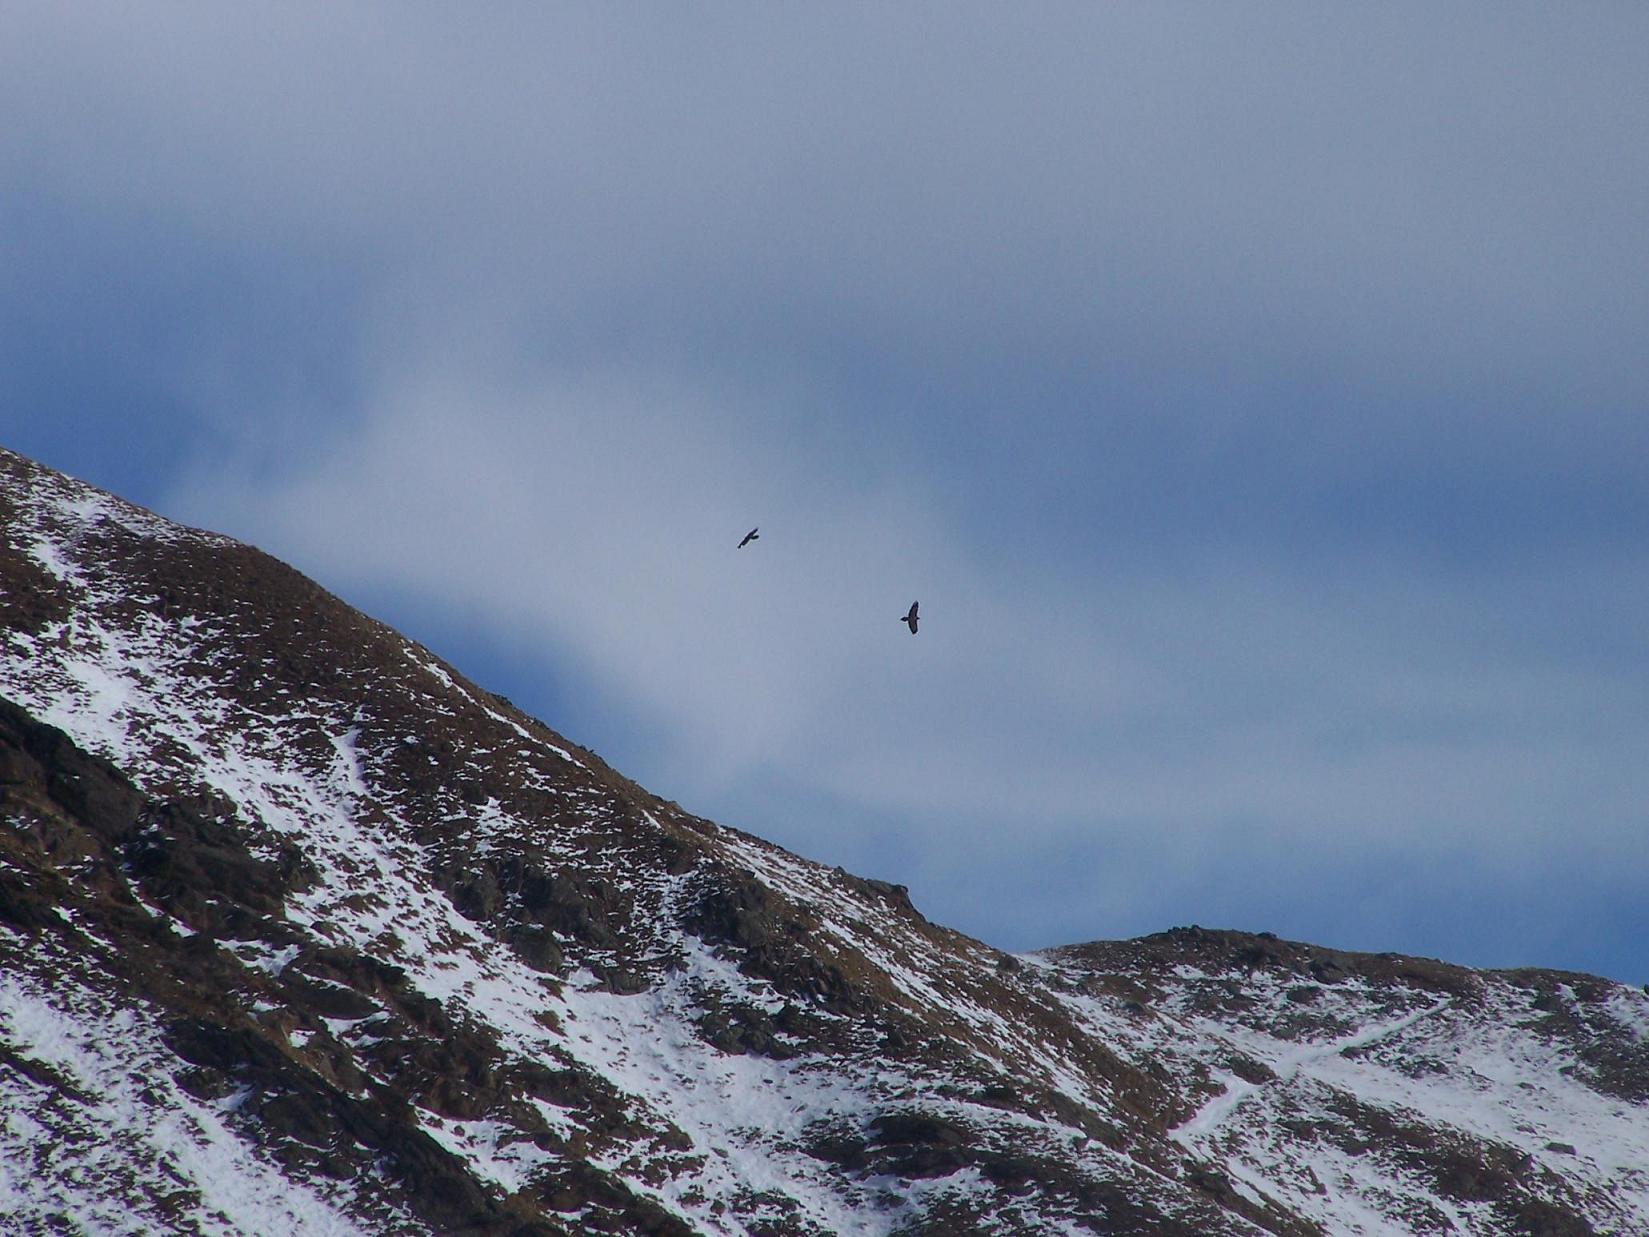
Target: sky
[{"x": 1255, "y": 397}]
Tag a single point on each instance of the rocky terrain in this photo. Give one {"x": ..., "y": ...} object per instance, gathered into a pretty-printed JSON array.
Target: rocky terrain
[{"x": 302, "y": 931}]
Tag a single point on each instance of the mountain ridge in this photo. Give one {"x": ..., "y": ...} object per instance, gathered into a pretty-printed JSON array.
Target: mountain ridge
[{"x": 392, "y": 956}]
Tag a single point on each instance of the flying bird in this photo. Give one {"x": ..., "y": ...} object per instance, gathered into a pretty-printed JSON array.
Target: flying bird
[
  {"x": 749, "y": 537},
  {"x": 910, "y": 619}
]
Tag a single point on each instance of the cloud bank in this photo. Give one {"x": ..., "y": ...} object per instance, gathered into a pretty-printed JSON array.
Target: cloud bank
[{"x": 1253, "y": 398}]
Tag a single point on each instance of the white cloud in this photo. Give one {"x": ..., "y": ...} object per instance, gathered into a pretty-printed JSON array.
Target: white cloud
[
  {"x": 593, "y": 519},
  {"x": 598, "y": 516}
]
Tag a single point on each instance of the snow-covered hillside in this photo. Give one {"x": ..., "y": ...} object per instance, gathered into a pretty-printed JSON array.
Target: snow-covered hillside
[{"x": 302, "y": 931}]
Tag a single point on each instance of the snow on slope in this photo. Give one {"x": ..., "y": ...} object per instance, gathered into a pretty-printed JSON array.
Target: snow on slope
[
  {"x": 135, "y": 693},
  {"x": 1371, "y": 1107},
  {"x": 148, "y": 694},
  {"x": 754, "y": 1042},
  {"x": 180, "y": 1164}
]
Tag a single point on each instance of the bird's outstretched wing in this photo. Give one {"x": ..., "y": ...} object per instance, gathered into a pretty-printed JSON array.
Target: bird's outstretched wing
[
  {"x": 910, "y": 618},
  {"x": 750, "y": 536}
]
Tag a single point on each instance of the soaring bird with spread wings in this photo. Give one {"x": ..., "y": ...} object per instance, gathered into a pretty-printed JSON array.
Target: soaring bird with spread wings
[
  {"x": 749, "y": 537},
  {"x": 910, "y": 618}
]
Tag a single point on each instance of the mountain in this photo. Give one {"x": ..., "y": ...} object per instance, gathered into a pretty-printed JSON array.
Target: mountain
[{"x": 303, "y": 931}]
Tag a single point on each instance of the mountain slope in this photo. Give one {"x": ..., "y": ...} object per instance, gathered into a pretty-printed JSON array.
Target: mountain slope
[{"x": 300, "y": 927}]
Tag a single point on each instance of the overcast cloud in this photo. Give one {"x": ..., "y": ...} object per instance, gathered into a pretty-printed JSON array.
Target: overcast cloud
[{"x": 1256, "y": 399}]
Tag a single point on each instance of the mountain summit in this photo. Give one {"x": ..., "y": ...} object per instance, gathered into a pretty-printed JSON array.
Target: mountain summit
[{"x": 302, "y": 931}]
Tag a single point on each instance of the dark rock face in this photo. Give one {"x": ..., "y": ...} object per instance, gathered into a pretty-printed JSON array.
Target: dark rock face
[{"x": 282, "y": 893}]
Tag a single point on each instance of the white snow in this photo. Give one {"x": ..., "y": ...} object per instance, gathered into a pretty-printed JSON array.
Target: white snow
[{"x": 178, "y": 1154}]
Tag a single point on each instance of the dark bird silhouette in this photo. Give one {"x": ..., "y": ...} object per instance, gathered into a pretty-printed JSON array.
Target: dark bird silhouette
[
  {"x": 910, "y": 619},
  {"x": 749, "y": 537}
]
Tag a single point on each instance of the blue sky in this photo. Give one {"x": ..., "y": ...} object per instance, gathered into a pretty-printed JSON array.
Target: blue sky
[{"x": 1254, "y": 398}]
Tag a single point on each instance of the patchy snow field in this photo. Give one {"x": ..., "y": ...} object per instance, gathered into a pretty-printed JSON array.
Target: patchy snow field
[{"x": 1044, "y": 1093}]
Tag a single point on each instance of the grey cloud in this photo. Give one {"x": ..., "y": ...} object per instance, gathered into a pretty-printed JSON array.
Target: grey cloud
[
  {"x": 1441, "y": 194},
  {"x": 1252, "y": 396}
]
